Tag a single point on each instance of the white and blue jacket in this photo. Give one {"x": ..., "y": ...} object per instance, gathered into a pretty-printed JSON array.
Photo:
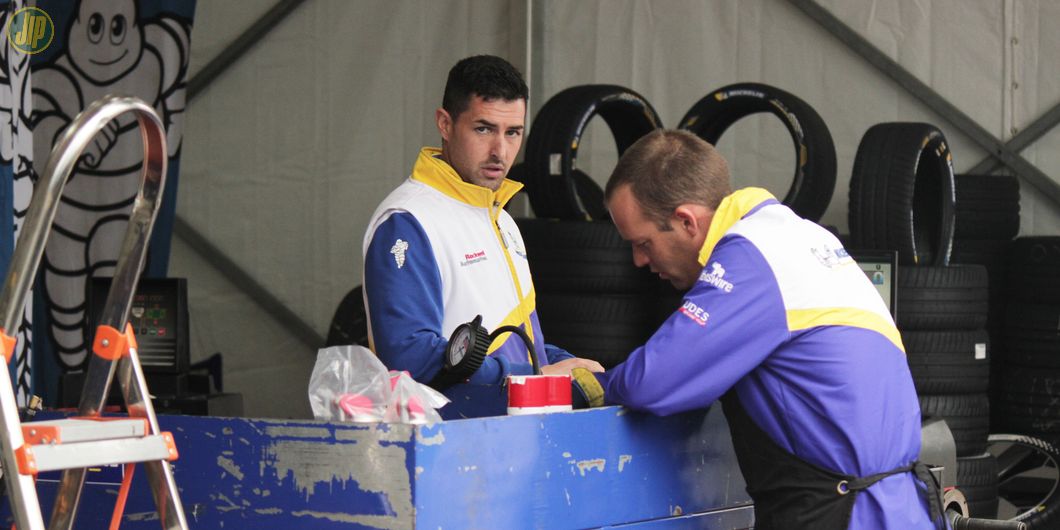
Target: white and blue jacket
[
  {"x": 439, "y": 251},
  {"x": 783, "y": 315}
]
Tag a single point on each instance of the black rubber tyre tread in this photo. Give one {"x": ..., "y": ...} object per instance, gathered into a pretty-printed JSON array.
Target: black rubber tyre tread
[
  {"x": 977, "y": 480},
  {"x": 814, "y": 178},
  {"x": 1043, "y": 250},
  {"x": 541, "y": 186},
  {"x": 1023, "y": 317},
  {"x": 993, "y": 253},
  {"x": 580, "y": 257},
  {"x": 349, "y": 325},
  {"x": 1032, "y": 385},
  {"x": 967, "y": 415},
  {"x": 1034, "y": 283},
  {"x": 605, "y": 328},
  {"x": 1027, "y": 400},
  {"x": 589, "y": 192},
  {"x": 1034, "y": 269},
  {"x": 1002, "y": 190},
  {"x": 979, "y": 223},
  {"x": 944, "y": 362},
  {"x": 591, "y": 195},
  {"x": 1038, "y": 350},
  {"x": 1032, "y": 335},
  {"x": 902, "y": 193},
  {"x": 954, "y": 297},
  {"x": 664, "y": 300},
  {"x": 558, "y": 128},
  {"x": 1045, "y": 428},
  {"x": 1044, "y": 516}
]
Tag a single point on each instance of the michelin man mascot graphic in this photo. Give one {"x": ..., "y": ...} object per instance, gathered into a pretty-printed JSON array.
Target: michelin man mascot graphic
[
  {"x": 16, "y": 163},
  {"x": 107, "y": 49}
]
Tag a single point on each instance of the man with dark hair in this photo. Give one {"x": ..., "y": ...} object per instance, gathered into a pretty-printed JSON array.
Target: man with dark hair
[
  {"x": 440, "y": 249},
  {"x": 779, "y": 320}
]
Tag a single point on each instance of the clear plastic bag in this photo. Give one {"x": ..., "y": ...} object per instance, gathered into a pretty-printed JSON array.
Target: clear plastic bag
[
  {"x": 349, "y": 383},
  {"x": 412, "y": 402}
]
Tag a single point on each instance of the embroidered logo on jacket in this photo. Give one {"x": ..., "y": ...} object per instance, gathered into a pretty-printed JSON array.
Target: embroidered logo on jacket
[
  {"x": 714, "y": 277},
  {"x": 512, "y": 243},
  {"x": 696, "y": 313},
  {"x": 830, "y": 257},
  {"x": 473, "y": 257},
  {"x": 398, "y": 250}
]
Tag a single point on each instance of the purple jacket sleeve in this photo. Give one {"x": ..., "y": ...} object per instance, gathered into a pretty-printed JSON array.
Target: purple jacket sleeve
[{"x": 729, "y": 322}]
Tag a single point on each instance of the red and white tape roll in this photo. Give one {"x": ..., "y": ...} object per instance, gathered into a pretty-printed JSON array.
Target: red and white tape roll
[{"x": 536, "y": 394}]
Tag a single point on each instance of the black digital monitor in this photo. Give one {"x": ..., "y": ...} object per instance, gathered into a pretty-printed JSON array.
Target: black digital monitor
[
  {"x": 159, "y": 317},
  {"x": 881, "y": 267}
]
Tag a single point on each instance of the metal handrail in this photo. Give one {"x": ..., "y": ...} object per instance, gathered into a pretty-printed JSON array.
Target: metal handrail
[{"x": 23, "y": 268}]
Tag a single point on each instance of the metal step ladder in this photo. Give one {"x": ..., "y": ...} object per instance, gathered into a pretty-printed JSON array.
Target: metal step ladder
[{"x": 89, "y": 440}]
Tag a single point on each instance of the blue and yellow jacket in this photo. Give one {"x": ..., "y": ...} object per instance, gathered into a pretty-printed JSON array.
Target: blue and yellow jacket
[
  {"x": 781, "y": 313},
  {"x": 437, "y": 252}
]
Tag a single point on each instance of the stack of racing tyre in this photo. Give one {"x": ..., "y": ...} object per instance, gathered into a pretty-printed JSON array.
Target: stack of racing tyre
[
  {"x": 951, "y": 234},
  {"x": 1028, "y": 393},
  {"x": 591, "y": 299},
  {"x": 902, "y": 198}
]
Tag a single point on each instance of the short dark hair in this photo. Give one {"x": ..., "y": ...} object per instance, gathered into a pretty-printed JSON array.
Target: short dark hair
[
  {"x": 487, "y": 76},
  {"x": 668, "y": 168}
]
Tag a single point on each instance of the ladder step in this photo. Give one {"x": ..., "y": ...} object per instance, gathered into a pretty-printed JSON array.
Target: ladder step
[
  {"x": 53, "y": 457},
  {"x": 76, "y": 430}
]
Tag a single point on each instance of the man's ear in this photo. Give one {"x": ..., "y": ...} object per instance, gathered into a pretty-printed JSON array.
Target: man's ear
[
  {"x": 687, "y": 219},
  {"x": 445, "y": 123}
]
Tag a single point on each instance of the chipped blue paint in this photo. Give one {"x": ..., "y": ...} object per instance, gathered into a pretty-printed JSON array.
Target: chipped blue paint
[
  {"x": 594, "y": 468},
  {"x": 581, "y": 469}
]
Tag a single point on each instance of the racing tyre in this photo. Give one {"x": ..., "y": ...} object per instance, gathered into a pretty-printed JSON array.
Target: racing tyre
[
  {"x": 552, "y": 145},
  {"x": 1027, "y": 480},
  {"x": 605, "y": 328},
  {"x": 948, "y": 362},
  {"x": 902, "y": 193},
  {"x": 349, "y": 325},
  {"x": 815, "y": 165},
  {"x": 977, "y": 479},
  {"x": 967, "y": 416},
  {"x": 1034, "y": 270},
  {"x": 1030, "y": 335},
  {"x": 580, "y": 257},
  {"x": 988, "y": 207},
  {"x": 942, "y": 297}
]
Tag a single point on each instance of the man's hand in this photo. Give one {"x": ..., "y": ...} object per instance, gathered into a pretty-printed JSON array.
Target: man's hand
[{"x": 566, "y": 365}]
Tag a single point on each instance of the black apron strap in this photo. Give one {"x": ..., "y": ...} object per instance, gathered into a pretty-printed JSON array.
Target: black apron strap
[
  {"x": 933, "y": 494},
  {"x": 790, "y": 493},
  {"x": 864, "y": 482}
]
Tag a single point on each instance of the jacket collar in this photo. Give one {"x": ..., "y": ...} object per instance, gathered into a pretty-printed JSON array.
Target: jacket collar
[
  {"x": 732, "y": 209},
  {"x": 431, "y": 170}
]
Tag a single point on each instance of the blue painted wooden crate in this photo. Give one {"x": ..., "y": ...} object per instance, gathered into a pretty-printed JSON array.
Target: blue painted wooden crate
[{"x": 584, "y": 469}]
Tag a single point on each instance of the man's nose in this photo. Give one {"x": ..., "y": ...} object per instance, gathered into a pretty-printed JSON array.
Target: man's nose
[
  {"x": 640, "y": 259},
  {"x": 498, "y": 148}
]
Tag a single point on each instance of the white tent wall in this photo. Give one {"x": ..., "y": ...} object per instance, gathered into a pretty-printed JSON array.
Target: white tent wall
[
  {"x": 288, "y": 152},
  {"x": 674, "y": 52},
  {"x": 1035, "y": 85}
]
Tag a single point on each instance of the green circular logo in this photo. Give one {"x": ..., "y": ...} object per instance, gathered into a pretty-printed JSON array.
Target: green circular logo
[{"x": 31, "y": 30}]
